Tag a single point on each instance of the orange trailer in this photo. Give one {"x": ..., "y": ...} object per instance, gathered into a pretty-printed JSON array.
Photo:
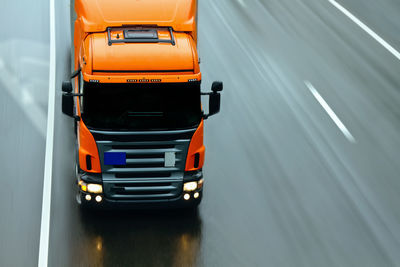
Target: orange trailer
[{"x": 136, "y": 100}]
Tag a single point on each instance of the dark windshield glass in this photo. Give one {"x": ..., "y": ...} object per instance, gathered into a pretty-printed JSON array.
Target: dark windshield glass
[{"x": 163, "y": 106}]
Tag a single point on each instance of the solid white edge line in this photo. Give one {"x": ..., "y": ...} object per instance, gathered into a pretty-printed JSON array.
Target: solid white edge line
[
  {"x": 366, "y": 29},
  {"x": 48, "y": 165},
  {"x": 330, "y": 112}
]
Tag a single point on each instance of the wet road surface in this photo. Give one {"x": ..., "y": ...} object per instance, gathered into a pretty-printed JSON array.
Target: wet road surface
[
  {"x": 23, "y": 111},
  {"x": 285, "y": 186}
]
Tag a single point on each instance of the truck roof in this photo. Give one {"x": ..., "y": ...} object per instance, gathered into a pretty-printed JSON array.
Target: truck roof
[
  {"x": 98, "y": 15},
  {"x": 144, "y": 52}
]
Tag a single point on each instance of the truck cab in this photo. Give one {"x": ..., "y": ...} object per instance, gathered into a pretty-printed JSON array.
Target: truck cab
[{"x": 136, "y": 101}]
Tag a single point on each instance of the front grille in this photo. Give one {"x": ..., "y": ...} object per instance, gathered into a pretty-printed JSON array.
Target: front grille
[
  {"x": 141, "y": 165},
  {"x": 142, "y": 175},
  {"x": 155, "y": 190},
  {"x": 145, "y": 176},
  {"x": 124, "y": 146}
]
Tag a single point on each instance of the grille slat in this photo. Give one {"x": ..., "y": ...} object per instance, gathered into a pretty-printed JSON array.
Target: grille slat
[
  {"x": 146, "y": 156},
  {"x": 142, "y": 183},
  {"x": 147, "y": 160},
  {"x": 145, "y": 151},
  {"x": 149, "y": 188},
  {"x": 141, "y": 175},
  {"x": 140, "y": 165},
  {"x": 144, "y": 197},
  {"x": 144, "y": 190},
  {"x": 143, "y": 146},
  {"x": 133, "y": 170}
]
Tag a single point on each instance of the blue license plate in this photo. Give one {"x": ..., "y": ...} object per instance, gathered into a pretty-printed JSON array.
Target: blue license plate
[{"x": 114, "y": 158}]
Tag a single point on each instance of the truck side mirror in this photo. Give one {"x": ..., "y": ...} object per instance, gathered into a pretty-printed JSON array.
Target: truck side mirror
[
  {"x": 68, "y": 104},
  {"x": 66, "y": 87},
  {"x": 217, "y": 87},
  {"x": 215, "y": 99},
  {"x": 214, "y": 104}
]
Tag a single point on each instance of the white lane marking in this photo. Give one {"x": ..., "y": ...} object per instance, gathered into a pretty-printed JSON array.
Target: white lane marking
[
  {"x": 366, "y": 29},
  {"x": 48, "y": 165},
  {"x": 330, "y": 112}
]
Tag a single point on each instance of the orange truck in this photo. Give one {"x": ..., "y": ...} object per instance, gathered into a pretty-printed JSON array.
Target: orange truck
[{"x": 136, "y": 100}]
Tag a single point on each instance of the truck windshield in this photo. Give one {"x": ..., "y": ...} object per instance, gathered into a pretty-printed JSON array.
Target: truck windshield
[{"x": 161, "y": 106}]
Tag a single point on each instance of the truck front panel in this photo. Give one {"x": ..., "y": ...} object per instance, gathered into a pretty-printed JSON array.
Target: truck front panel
[
  {"x": 146, "y": 175},
  {"x": 147, "y": 140}
]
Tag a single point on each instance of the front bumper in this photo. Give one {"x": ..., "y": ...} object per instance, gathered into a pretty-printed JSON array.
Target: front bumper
[{"x": 110, "y": 204}]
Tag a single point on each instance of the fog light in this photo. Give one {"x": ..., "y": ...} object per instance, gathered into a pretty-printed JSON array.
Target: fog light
[
  {"x": 95, "y": 188},
  {"x": 88, "y": 197},
  {"x": 98, "y": 198},
  {"x": 196, "y": 195},
  {"x": 186, "y": 196},
  {"x": 189, "y": 187}
]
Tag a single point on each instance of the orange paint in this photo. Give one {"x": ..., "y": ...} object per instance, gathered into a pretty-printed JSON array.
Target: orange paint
[
  {"x": 97, "y": 15},
  {"x": 176, "y": 63},
  {"x": 123, "y": 78},
  {"x": 135, "y": 62},
  {"x": 196, "y": 146},
  {"x": 88, "y": 146}
]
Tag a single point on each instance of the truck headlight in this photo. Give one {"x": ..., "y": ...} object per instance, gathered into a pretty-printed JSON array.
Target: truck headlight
[
  {"x": 95, "y": 188},
  {"x": 190, "y": 186},
  {"x": 200, "y": 183},
  {"x": 83, "y": 185}
]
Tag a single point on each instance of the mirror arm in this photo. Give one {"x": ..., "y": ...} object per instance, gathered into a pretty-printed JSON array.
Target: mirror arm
[
  {"x": 75, "y": 73},
  {"x": 73, "y": 94},
  {"x": 76, "y": 117},
  {"x": 206, "y": 93},
  {"x": 204, "y": 116}
]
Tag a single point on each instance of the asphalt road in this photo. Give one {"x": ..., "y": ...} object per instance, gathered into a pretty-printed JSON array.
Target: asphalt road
[
  {"x": 24, "y": 64},
  {"x": 285, "y": 186}
]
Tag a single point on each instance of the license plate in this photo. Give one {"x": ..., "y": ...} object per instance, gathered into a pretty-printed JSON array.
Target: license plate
[{"x": 114, "y": 158}]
